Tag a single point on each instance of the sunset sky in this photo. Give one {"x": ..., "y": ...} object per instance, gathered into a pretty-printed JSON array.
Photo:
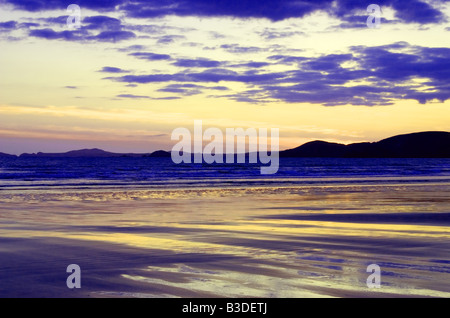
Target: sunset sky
[{"x": 138, "y": 69}]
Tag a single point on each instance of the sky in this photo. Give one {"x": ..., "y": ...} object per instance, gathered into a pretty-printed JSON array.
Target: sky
[{"x": 135, "y": 70}]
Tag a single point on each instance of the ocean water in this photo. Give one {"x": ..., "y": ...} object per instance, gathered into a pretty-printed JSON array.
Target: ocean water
[
  {"x": 22, "y": 173},
  {"x": 145, "y": 227}
]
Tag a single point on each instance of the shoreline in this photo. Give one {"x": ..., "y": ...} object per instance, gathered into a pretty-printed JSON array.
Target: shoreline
[{"x": 260, "y": 242}]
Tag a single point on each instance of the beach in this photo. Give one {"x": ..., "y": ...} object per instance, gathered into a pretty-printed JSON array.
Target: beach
[
  {"x": 291, "y": 241},
  {"x": 186, "y": 149}
]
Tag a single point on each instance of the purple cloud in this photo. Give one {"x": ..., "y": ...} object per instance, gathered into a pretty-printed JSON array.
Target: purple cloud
[
  {"x": 199, "y": 63},
  {"x": 408, "y": 11},
  {"x": 324, "y": 80},
  {"x": 150, "y": 56},
  {"x": 109, "y": 69},
  {"x": 8, "y": 25}
]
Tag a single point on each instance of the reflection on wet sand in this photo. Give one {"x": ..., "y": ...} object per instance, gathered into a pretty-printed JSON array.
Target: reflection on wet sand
[{"x": 305, "y": 241}]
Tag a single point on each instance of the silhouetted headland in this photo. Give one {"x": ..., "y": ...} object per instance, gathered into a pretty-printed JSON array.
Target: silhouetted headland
[
  {"x": 5, "y": 155},
  {"x": 96, "y": 153},
  {"x": 432, "y": 144},
  {"x": 416, "y": 145}
]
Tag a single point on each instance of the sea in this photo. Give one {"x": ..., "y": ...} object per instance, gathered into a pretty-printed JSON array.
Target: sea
[
  {"x": 149, "y": 228},
  {"x": 162, "y": 173}
]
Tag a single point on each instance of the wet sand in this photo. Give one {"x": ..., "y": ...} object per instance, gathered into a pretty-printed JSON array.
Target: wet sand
[{"x": 300, "y": 241}]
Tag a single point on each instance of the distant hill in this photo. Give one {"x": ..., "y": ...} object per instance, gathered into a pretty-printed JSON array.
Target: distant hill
[
  {"x": 85, "y": 153},
  {"x": 5, "y": 155},
  {"x": 433, "y": 144},
  {"x": 160, "y": 154},
  {"x": 97, "y": 153}
]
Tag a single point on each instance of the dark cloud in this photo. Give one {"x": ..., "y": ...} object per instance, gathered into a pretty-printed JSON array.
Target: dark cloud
[
  {"x": 61, "y": 20},
  {"x": 273, "y": 10},
  {"x": 28, "y": 25},
  {"x": 167, "y": 98},
  {"x": 199, "y": 63},
  {"x": 360, "y": 22},
  {"x": 93, "y": 28},
  {"x": 236, "y": 48},
  {"x": 146, "y": 79},
  {"x": 8, "y": 25},
  {"x": 208, "y": 76},
  {"x": 40, "y": 5},
  {"x": 98, "y": 22},
  {"x": 417, "y": 11},
  {"x": 408, "y": 11},
  {"x": 109, "y": 69},
  {"x": 366, "y": 76},
  {"x": 132, "y": 48},
  {"x": 50, "y": 34},
  {"x": 102, "y": 22},
  {"x": 114, "y": 36},
  {"x": 167, "y": 39},
  {"x": 180, "y": 90},
  {"x": 150, "y": 56},
  {"x": 82, "y": 35},
  {"x": 271, "y": 34},
  {"x": 287, "y": 59},
  {"x": 131, "y": 96},
  {"x": 327, "y": 62},
  {"x": 252, "y": 64},
  {"x": 190, "y": 89}
]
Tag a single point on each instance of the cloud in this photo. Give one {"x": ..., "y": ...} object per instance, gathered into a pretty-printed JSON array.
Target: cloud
[
  {"x": 408, "y": 11},
  {"x": 287, "y": 59},
  {"x": 167, "y": 39},
  {"x": 93, "y": 28},
  {"x": 114, "y": 36},
  {"x": 146, "y": 79},
  {"x": 236, "y": 48},
  {"x": 150, "y": 56},
  {"x": 167, "y": 98},
  {"x": 97, "y": 22},
  {"x": 272, "y": 33},
  {"x": 273, "y": 10},
  {"x": 330, "y": 62},
  {"x": 132, "y": 48},
  {"x": 8, "y": 25},
  {"x": 178, "y": 90},
  {"x": 81, "y": 35},
  {"x": 40, "y": 5},
  {"x": 365, "y": 76},
  {"x": 252, "y": 64},
  {"x": 190, "y": 89},
  {"x": 101, "y": 22},
  {"x": 50, "y": 34},
  {"x": 133, "y": 96},
  {"x": 28, "y": 25},
  {"x": 199, "y": 63},
  {"x": 417, "y": 12},
  {"x": 109, "y": 69},
  {"x": 360, "y": 22}
]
